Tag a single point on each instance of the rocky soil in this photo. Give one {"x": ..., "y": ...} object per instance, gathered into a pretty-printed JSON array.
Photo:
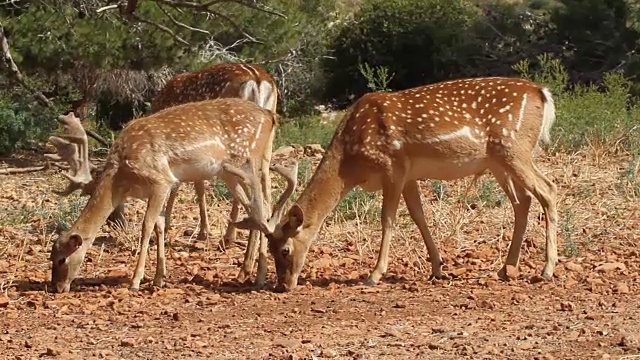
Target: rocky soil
[{"x": 591, "y": 309}]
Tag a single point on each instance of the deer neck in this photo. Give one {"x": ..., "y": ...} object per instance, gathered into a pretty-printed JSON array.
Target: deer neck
[
  {"x": 326, "y": 187},
  {"x": 101, "y": 203}
]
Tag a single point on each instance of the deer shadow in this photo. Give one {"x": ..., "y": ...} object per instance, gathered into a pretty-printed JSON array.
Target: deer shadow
[{"x": 77, "y": 285}]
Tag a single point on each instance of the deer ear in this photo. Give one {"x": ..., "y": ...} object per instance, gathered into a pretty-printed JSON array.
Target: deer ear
[
  {"x": 74, "y": 242},
  {"x": 296, "y": 217}
]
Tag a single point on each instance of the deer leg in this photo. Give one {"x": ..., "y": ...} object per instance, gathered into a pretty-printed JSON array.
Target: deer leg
[
  {"x": 249, "y": 256},
  {"x": 173, "y": 194},
  {"x": 530, "y": 178},
  {"x": 412, "y": 198},
  {"x": 161, "y": 265},
  {"x": 155, "y": 205},
  {"x": 202, "y": 204},
  {"x": 521, "y": 203},
  {"x": 547, "y": 198},
  {"x": 239, "y": 197},
  {"x": 391, "y": 193},
  {"x": 263, "y": 254},
  {"x": 117, "y": 218},
  {"x": 230, "y": 235}
]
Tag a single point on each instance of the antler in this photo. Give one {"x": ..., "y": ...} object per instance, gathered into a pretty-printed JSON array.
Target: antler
[
  {"x": 257, "y": 219},
  {"x": 73, "y": 147}
]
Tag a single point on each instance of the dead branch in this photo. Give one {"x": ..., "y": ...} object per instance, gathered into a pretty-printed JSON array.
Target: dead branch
[
  {"x": 7, "y": 61},
  {"x": 11, "y": 171},
  {"x": 181, "y": 24},
  {"x": 158, "y": 26}
]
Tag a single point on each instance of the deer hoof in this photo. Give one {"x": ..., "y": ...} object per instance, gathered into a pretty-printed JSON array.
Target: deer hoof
[{"x": 370, "y": 282}]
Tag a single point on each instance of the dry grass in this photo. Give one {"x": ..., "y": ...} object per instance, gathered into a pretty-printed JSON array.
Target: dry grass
[{"x": 597, "y": 202}]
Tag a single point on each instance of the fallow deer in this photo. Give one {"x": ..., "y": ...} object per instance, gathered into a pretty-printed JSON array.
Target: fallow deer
[
  {"x": 446, "y": 131},
  {"x": 246, "y": 81},
  {"x": 227, "y": 80},
  {"x": 186, "y": 143}
]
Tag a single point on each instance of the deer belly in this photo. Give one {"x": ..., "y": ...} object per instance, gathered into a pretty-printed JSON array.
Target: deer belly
[
  {"x": 446, "y": 169},
  {"x": 205, "y": 169}
]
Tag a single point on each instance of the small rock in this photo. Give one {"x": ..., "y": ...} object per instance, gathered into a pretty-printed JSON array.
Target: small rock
[
  {"x": 526, "y": 346},
  {"x": 594, "y": 317},
  {"x": 608, "y": 267},
  {"x": 4, "y": 301},
  {"x": 622, "y": 288},
  {"x": 287, "y": 343},
  {"x": 626, "y": 341},
  {"x": 571, "y": 266},
  {"x": 52, "y": 352},
  {"x": 392, "y": 333},
  {"x": 285, "y": 151},
  {"x": 535, "y": 279},
  {"x": 458, "y": 271},
  {"x": 128, "y": 342},
  {"x": 566, "y": 306},
  {"x": 176, "y": 316},
  {"x": 313, "y": 150},
  {"x": 188, "y": 233},
  {"x": 329, "y": 353}
]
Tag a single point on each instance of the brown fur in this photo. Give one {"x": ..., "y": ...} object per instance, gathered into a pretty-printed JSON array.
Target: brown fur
[
  {"x": 449, "y": 130},
  {"x": 189, "y": 142}
]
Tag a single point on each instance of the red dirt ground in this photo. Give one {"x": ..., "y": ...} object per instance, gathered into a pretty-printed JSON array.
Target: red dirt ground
[{"x": 590, "y": 310}]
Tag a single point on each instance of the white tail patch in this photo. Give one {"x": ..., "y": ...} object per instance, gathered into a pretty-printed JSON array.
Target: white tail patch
[
  {"x": 266, "y": 98},
  {"x": 464, "y": 131},
  {"x": 548, "y": 116},
  {"x": 521, "y": 115},
  {"x": 249, "y": 91}
]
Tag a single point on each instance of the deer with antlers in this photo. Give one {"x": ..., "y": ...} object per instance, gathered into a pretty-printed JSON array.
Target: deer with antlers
[
  {"x": 185, "y": 143},
  {"x": 230, "y": 80},
  {"x": 447, "y": 131}
]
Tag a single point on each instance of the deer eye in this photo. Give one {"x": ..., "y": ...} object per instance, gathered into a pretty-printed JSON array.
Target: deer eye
[
  {"x": 61, "y": 261},
  {"x": 285, "y": 251}
]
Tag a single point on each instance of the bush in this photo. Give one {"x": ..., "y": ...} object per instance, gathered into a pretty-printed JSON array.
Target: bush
[
  {"x": 416, "y": 40},
  {"x": 588, "y": 115},
  {"x": 23, "y": 124},
  {"x": 302, "y": 131}
]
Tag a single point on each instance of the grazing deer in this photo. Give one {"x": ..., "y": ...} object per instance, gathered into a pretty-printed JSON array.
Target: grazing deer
[
  {"x": 186, "y": 143},
  {"x": 228, "y": 80},
  {"x": 246, "y": 81},
  {"x": 445, "y": 131}
]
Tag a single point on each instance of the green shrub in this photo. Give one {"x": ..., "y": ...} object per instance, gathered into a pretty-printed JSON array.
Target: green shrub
[
  {"x": 302, "y": 131},
  {"x": 587, "y": 115},
  {"x": 23, "y": 124},
  {"x": 416, "y": 40}
]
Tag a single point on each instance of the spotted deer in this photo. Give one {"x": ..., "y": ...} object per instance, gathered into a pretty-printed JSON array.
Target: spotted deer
[
  {"x": 185, "y": 143},
  {"x": 230, "y": 80},
  {"x": 446, "y": 131}
]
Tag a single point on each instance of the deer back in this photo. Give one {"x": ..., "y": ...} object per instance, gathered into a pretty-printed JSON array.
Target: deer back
[
  {"x": 247, "y": 81},
  {"x": 192, "y": 140}
]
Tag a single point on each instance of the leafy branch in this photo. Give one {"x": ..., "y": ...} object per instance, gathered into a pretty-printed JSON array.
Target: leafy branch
[{"x": 127, "y": 10}]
